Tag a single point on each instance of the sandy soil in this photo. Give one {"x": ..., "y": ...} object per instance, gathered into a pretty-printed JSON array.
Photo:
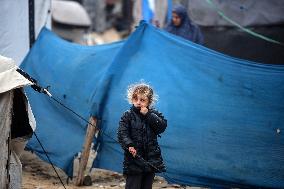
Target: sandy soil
[{"x": 38, "y": 174}]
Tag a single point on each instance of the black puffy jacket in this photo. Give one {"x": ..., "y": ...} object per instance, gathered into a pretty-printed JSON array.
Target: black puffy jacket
[{"x": 140, "y": 131}]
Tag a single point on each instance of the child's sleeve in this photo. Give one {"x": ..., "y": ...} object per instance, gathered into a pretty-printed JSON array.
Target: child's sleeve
[
  {"x": 156, "y": 121},
  {"x": 123, "y": 132}
]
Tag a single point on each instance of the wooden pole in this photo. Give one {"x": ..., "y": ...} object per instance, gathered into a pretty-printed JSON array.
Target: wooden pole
[{"x": 86, "y": 150}]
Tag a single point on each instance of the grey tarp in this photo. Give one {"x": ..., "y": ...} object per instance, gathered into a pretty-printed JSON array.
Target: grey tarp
[{"x": 245, "y": 13}]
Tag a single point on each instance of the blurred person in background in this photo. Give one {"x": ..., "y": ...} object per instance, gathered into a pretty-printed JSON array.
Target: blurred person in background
[{"x": 181, "y": 25}]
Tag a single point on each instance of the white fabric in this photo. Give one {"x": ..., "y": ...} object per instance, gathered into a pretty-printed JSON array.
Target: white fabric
[
  {"x": 9, "y": 77},
  {"x": 32, "y": 120},
  {"x": 14, "y": 22}
]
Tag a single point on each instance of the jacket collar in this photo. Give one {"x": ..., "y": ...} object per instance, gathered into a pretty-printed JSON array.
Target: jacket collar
[{"x": 134, "y": 109}]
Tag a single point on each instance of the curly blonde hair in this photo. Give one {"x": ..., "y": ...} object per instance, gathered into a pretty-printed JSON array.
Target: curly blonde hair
[{"x": 141, "y": 88}]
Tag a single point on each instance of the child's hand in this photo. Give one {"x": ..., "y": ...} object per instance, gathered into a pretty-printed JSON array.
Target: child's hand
[
  {"x": 132, "y": 151},
  {"x": 144, "y": 110}
]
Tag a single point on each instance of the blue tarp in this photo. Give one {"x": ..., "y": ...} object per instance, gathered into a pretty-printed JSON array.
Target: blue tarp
[{"x": 225, "y": 115}]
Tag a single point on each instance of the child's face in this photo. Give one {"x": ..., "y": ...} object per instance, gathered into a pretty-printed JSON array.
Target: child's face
[{"x": 140, "y": 101}]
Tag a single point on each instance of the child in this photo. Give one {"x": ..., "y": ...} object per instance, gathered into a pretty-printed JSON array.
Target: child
[{"x": 137, "y": 134}]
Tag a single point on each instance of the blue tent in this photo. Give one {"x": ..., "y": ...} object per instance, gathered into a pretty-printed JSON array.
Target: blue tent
[{"x": 225, "y": 115}]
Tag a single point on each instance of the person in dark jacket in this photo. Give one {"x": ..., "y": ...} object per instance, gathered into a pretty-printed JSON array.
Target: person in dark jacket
[
  {"x": 137, "y": 135},
  {"x": 182, "y": 25}
]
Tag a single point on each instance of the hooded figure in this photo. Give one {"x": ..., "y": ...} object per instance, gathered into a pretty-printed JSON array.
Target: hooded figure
[{"x": 182, "y": 26}]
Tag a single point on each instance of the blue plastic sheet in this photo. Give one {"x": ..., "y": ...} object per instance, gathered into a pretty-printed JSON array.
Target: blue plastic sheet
[
  {"x": 72, "y": 71},
  {"x": 225, "y": 115}
]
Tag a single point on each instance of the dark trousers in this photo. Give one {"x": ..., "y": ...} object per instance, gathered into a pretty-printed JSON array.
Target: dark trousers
[{"x": 141, "y": 181}]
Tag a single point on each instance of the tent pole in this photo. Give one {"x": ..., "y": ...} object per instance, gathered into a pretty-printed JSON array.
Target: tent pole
[
  {"x": 91, "y": 130},
  {"x": 32, "y": 22}
]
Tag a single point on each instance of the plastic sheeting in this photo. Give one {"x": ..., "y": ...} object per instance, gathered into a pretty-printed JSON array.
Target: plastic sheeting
[
  {"x": 72, "y": 71},
  {"x": 14, "y": 22},
  {"x": 225, "y": 115},
  {"x": 245, "y": 13},
  {"x": 9, "y": 77}
]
